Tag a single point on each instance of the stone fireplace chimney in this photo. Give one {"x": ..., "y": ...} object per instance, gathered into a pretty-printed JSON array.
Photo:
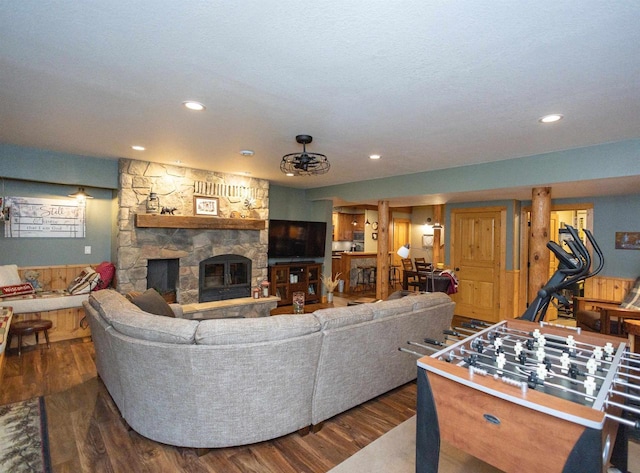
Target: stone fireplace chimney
[{"x": 237, "y": 198}]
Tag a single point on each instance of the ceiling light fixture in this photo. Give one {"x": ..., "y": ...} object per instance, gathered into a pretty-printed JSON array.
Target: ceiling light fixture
[
  {"x": 552, "y": 118},
  {"x": 195, "y": 106},
  {"x": 304, "y": 164},
  {"x": 138, "y": 148},
  {"x": 247, "y": 152},
  {"x": 374, "y": 156},
  {"x": 81, "y": 194}
]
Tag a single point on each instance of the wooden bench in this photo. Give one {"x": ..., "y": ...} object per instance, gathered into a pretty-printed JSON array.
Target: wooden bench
[{"x": 68, "y": 311}]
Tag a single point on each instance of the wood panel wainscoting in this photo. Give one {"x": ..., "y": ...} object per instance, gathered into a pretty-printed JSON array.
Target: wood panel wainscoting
[
  {"x": 607, "y": 288},
  {"x": 509, "y": 295},
  {"x": 66, "y": 322}
]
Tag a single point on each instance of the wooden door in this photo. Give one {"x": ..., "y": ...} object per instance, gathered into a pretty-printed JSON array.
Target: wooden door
[
  {"x": 477, "y": 256},
  {"x": 400, "y": 235}
]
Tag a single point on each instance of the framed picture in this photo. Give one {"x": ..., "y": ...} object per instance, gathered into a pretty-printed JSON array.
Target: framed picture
[
  {"x": 374, "y": 236},
  {"x": 627, "y": 240},
  {"x": 205, "y": 206},
  {"x": 427, "y": 241}
]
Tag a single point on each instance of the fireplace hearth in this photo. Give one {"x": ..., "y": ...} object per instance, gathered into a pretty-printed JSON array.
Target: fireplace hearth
[{"x": 224, "y": 277}]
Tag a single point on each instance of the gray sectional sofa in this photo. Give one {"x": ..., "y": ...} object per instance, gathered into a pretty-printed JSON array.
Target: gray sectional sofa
[{"x": 225, "y": 382}]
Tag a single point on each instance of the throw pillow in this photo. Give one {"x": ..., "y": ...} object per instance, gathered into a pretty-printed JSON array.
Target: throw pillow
[
  {"x": 632, "y": 301},
  {"x": 16, "y": 290},
  {"x": 9, "y": 275},
  {"x": 84, "y": 282},
  {"x": 106, "y": 270},
  {"x": 151, "y": 301}
]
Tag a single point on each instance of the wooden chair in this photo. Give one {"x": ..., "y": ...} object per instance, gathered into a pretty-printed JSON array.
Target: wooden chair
[{"x": 412, "y": 281}]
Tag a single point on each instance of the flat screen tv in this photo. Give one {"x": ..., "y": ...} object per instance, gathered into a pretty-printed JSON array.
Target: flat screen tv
[{"x": 296, "y": 239}]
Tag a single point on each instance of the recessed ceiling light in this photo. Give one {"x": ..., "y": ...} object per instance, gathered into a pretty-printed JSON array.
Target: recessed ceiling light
[
  {"x": 247, "y": 152},
  {"x": 177, "y": 161},
  {"x": 289, "y": 174},
  {"x": 552, "y": 118},
  {"x": 192, "y": 105},
  {"x": 138, "y": 148},
  {"x": 374, "y": 156}
]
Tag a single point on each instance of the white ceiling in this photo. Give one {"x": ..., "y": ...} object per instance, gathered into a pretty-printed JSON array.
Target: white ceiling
[{"x": 428, "y": 85}]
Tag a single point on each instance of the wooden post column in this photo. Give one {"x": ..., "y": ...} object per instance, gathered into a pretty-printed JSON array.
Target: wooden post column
[
  {"x": 382, "y": 277},
  {"x": 538, "y": 238}
]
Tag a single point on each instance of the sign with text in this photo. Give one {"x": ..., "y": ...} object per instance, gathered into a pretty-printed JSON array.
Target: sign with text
[{"x": 33, "y": 217}]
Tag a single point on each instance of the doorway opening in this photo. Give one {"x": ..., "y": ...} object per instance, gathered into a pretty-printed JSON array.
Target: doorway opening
[{"x": 579, "y": 216}]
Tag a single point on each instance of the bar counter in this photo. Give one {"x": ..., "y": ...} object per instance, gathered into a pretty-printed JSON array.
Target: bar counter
[{"x": 349, "y": 261}]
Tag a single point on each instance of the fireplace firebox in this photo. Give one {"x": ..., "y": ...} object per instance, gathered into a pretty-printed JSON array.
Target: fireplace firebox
[{"x": 224, "y": 277}]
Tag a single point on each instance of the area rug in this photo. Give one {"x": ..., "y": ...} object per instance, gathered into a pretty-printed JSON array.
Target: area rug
[{"x": 24, "y": 439}]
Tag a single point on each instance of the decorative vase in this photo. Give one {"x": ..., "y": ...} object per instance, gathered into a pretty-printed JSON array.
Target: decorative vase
[
  {"x": 298, "y": 302},
  {"x": 330, "y": 297}
]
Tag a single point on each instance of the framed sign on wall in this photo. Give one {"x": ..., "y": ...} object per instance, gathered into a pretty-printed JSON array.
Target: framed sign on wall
[{"x": 33, "y": 217}]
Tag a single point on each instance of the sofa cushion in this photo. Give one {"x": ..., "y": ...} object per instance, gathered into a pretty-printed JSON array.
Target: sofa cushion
[
  {"x": 106, "y": 270},
  {"x": 151, "y": 301},
  {"x": 85, "y": 282},
  {"x": 430, "y": 299},
  {"x": 139, "y": 324},
  {"x": 255, "y": 330},
  {"x": 16, "y": 290},
  {"x": 341, "y": 316},
  {"x": 130, "y": 320},
  {"x": 9, "y": 275},
  {"x": 632, "y": 301},
  {"x": 393, "y": 307}
]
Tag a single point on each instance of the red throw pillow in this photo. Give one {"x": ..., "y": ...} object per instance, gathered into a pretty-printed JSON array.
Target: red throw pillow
[
  {"x": 16, "y": 290},
  {"x": 106, "y": 271}
]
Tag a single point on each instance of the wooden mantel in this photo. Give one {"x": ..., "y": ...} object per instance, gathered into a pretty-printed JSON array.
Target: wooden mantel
[{"x": 198, "y": 222}]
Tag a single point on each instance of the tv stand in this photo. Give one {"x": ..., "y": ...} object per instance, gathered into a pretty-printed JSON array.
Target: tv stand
[{"x": 287, "y": 278}]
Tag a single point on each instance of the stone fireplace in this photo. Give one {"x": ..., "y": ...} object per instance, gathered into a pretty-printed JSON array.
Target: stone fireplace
[{"x": 238, "y": 198}]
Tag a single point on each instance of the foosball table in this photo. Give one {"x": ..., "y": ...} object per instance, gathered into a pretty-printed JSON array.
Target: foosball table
[{"x": 528, "y": 397}]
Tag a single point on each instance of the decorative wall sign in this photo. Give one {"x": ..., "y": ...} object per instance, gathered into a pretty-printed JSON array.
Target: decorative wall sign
[
  {"x": 427, "y": 241},
  {"x": 32, "y": 217},
  {"x": 627, "y": 240},
  {"x": 205, "y": 206}
]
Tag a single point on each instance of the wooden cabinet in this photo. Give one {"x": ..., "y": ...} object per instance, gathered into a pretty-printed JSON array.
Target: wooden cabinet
[
  {"x": 289, "y": 278},
  {"x": 345, "y": 224}
]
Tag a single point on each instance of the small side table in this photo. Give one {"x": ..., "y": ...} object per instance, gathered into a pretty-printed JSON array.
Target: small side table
[{"x": 28, "y": 327}]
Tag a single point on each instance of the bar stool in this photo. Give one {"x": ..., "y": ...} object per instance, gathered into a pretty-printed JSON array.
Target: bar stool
[
  {"x": 371, "y": 271},
  {"x": 394, "y": 275},
  {"x": 361, "y": 279},
  {"x": 28, "y": 327}
]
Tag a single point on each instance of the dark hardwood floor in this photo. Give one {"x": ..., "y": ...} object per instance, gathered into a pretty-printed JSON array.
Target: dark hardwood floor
[{"x": 87, "y": 435}]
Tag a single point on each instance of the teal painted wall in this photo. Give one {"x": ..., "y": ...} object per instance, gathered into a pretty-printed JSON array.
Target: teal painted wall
[
  {"x": 59, "y": 251},
  {"x": 611, "y": 214},
  {"x": 619, "y": 159},
  {"x": 286, "y": 203},
  {"x": 29, "y": 172},
  {"x": 40, "y": 173},
  {"x": 31, "y": 164}
]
